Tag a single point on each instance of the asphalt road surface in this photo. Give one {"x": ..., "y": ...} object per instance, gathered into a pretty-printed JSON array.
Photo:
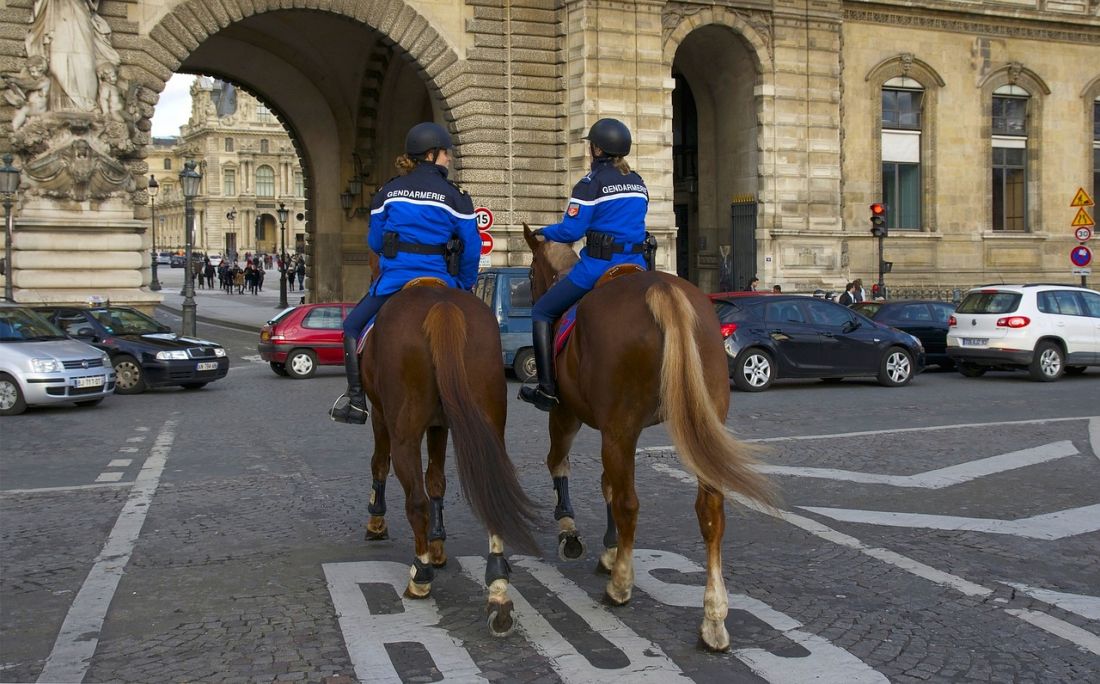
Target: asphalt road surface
[{"x": 945, "y": 531}]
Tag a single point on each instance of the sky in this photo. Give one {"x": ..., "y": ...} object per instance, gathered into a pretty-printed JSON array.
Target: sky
[{"x": 174, "y": 107}]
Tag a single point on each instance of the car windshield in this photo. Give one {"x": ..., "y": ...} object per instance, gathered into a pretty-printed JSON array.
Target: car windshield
[
  {"x": 20, "y": 325},
  {"x": 127, "y": 322},
  {"x": 868, "y": 309},
  {"x": 989, "y": 302}
]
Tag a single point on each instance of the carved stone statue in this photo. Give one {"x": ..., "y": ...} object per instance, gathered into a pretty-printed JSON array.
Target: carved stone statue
[
  {"x": 75, "y": 41},
  {"x": 28, "y": 91},
  {"x": 78, "y": 171}
]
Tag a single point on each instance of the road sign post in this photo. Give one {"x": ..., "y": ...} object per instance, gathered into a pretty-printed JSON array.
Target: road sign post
[{"x": 1082, "y": 224}]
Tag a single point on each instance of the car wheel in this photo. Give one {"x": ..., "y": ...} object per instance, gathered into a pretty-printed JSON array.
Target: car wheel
[
  {"x": 1048, "y": 364},
  {"x": 754, "y": 371},
  {"x": 129, "y": 378},
  {"x": 279, "y": 368},
  {"x": 524, "y": 365},
  {"x": 971, "y": 370},
  {"x": 89, "y": 402},
  {"x": 193, "y": 385},
  {"x": 1076, "y": 370},
  {"x": 11, "y": 397},
  {"x": 301, "y": 363},
  {"x": 896, "y": 369}
]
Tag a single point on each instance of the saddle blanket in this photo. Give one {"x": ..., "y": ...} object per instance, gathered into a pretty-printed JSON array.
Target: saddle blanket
[{"x": 565, "y": 328}]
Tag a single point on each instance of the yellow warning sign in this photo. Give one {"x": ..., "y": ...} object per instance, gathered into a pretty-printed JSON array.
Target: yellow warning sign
[
  {"x": 1081, "y": 199},
  {"x": 1082, "y": 219}
]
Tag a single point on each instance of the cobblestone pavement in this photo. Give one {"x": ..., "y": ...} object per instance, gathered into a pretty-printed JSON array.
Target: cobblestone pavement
[{"x": 946, "y": 531}]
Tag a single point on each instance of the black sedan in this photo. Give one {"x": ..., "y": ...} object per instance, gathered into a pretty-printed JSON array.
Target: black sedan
[
  {"x": 927, "y": 321},
  {"x": 790, "y": 336},
  {"x": 144, "y": 353}
]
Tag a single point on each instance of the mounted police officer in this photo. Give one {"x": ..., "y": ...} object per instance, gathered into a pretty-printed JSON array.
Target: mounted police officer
[
  {"x": 608, "y": 208},
  {"x": 421, "y": 224}
]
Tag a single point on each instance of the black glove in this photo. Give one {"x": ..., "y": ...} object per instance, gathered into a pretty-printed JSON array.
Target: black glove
[{"x": 537, "y": 232}]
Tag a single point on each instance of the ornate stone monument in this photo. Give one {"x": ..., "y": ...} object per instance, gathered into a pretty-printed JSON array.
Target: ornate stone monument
[{"x": 79, "y": 130}]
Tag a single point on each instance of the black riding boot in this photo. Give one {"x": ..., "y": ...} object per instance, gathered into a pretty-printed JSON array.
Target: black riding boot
[
  {"x": 355, "y": 411},
  {"x": 545, "y": 395}
]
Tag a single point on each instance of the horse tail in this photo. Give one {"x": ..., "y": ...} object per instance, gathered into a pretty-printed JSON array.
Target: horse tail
[
  {"x": 487, "y": 476},
  {"x": 717, "y": 459}
]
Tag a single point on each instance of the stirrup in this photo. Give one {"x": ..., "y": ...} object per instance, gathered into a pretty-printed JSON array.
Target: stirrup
[
  {"x": 348, "y": 413},
  {"x": 538, "y": 397}
]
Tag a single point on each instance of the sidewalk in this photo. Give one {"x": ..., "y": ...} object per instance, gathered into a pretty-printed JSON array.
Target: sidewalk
[{"x": 246, "y": 311}]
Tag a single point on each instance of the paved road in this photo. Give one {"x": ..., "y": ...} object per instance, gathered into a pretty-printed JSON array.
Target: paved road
[{"x": 946, "y": 531}]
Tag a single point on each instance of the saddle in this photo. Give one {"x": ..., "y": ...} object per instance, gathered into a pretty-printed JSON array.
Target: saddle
[
  {"x": 422, "y": 281},
  {"x": 569, "y": 318}
]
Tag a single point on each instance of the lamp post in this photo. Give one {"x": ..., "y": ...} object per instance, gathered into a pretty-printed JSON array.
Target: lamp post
[
  {"x": 9, "y": 183},
  {"x": 154, "y": 188},
  {"x": 284, "y": 214},
  {"x": 189, "y": 183}
]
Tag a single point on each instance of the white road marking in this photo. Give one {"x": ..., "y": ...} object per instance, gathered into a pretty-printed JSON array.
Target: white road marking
[
  {"x": 819, "y": 530},
  {"x": 128, "y": 450},
  {"x": 1057, "y": 525},
  {"x": 253, "y": 358},
  {"x": 109, "y": 477},
  {"x": 136, "y": 439},
  {"x": 120, "y": 463},
  {"x": 76, "y": 643},
  {"x": 73, "y": 488},
  {"x": 1060, "y": 628},
  {"x": 1081, "y": 604},
  {"x": 1094, "y": 436},
  {"x": 941, "y": 477}
]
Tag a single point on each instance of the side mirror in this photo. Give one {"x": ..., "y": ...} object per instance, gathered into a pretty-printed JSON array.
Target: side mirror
[{"x": 851, "y": 326}]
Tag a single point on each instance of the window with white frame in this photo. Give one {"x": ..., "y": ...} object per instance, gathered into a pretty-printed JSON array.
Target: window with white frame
[
  {"x": 265, "y": 181},
  {"x": 263, "y": 113},
  {"x": 1009, "y": 132},
  {"x": 902, "y": 99},
  {"x": 299, "y": 185},
  {"x": 229, "y": 182}
]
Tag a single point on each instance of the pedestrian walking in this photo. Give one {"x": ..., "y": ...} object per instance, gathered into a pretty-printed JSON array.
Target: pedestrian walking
[
  {"x": 301, "y": 271},
  {"x": 849, "y": 296}
]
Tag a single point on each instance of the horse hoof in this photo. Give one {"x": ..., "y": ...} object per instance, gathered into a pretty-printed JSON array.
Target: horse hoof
[
  {"x": 376, "y": 529},
  {"x": 371, "y": 535},
  {"x": 417, "y": 591},
  {"x": 714, "y": 636},
  {"x": 500, "y": 619},
  {"x": 570, "y": 546},
  {"x": 602, "y": 569},
  {"x": 439, "y": 563},
  {"x": 615, "y": 596}
]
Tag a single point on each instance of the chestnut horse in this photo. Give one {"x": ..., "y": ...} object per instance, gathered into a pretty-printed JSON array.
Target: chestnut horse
[
  {"x": 646, "y": 349},
  {"x": 432, "y": 365}
]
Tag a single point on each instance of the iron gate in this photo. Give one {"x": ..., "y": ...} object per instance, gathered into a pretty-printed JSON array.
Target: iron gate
[{"x": 742, "y": 258}]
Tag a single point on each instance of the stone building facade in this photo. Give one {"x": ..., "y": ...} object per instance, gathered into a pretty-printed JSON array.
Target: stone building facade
[{"x": 763, "y": 129}]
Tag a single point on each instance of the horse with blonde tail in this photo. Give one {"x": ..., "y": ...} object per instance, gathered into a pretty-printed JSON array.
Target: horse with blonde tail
[
  {"x": 671, "y": 368},
  {"x": 431, "y": 366}
]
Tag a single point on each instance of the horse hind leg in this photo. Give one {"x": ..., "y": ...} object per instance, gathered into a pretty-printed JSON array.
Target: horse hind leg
[
  {"x": 618, "y": 466},
  {"x": 710, "y": 509},
  {"x": 563, "y": 428},
  {"x": 437, "y": 487},
  {"x": 380, "y": 470},
  {"x": 498, "y": 607},
  {"x": 407, "y": 465}
]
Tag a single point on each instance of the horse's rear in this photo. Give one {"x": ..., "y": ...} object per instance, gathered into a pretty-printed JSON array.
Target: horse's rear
[
  {"x": 432, "y": 364},
  {"x": 647, "y": 349}
]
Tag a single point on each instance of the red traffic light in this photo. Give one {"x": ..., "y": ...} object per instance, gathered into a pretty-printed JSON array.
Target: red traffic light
[{"x": 878, "y": 209}]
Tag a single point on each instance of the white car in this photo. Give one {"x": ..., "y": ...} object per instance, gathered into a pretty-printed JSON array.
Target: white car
[
  {"x": 215, "y": 260},
  {"x": 1046, "y": 329},
  {"x": 40, "y": 365}
]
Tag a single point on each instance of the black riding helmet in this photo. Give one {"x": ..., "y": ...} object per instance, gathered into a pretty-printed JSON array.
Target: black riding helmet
[
  {"x": 427, "y": 136},
  {"x": 610, "y": 135}
]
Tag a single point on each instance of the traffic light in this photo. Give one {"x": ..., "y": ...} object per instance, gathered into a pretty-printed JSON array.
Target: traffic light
[{"x": 878, "y": 220}]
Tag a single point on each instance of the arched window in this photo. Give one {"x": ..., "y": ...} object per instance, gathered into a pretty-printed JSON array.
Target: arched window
[
  {"x": 265, "y": 181},
  {"x": 902, "y": 101},
  {"x": 1009, "y": 138}
]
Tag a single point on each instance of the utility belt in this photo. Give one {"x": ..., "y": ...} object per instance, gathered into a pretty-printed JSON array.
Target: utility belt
[
  {"x": 603, "y": 246},
  {"x": 451, "y": 251}
]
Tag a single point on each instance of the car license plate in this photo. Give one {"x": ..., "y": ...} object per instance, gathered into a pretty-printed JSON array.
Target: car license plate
[
  {"x": 207, "y": 365},
  {"x": 93, "y": 381},
  {"x": 974, "y": 341}
]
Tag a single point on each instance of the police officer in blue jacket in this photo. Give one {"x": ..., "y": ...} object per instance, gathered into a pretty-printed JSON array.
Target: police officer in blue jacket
[
  {"x": 607, "y": 208},
  {"x": 421, "y": 224}
]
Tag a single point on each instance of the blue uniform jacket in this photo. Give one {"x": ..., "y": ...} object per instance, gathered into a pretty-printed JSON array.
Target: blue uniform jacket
[
  {"x": 425, "y": 208},
  {"x": 609, "y": 202}
]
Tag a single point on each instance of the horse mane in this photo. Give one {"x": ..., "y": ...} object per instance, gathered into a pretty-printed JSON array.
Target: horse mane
[{"x": 560, "y": 256}]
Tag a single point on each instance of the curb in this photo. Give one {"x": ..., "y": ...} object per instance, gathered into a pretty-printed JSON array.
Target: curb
[{"x": 244, "y": 327}]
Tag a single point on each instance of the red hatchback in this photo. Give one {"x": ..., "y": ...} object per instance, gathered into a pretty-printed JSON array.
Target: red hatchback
[{"x": 303, "y": 337}]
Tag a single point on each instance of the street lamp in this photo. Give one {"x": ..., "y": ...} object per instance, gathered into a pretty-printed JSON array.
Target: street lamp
[
  {"x": 9, "y": 183},
  {"x": 284, "y": 214},
  {"x": 189, "y": 183},
  {"x": 154, "y": 188}
]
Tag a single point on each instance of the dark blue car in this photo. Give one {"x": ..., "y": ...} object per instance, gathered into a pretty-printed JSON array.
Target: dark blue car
[{"x": 507, "y": 291}]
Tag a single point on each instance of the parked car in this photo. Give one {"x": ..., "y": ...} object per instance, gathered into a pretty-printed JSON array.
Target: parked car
[
  {"x": 176, "y": 261},
  {"x": 301, "y": 338},
  {"x": 771, "y": 336},
  {"x": 143, "y": 352},
  {"x": 924, "y": 319},
  {"x": 507, "y": 291},
  {"x": 40, "y": 365},
  {"x": 1045, "y": 329}
]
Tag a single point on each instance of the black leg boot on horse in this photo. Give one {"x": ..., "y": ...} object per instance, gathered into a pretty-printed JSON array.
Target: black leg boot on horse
[
  {"x": 354, "y": 412},
  {"x": 545, "y": 395}
]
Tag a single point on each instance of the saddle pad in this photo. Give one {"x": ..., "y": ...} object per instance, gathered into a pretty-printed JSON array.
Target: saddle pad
[
  {"x": 565, "y": 327},
  {"x": 362, "y": 341}
]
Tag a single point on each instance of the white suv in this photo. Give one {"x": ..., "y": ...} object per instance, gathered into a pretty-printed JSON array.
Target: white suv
[{"x": 1047, "y": 329}]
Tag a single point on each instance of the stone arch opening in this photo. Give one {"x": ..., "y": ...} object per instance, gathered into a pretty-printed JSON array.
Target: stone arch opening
[{"x": 716, "y": 155}]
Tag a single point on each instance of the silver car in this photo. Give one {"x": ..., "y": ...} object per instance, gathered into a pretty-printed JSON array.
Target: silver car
[{"x": 40, "y": 365}]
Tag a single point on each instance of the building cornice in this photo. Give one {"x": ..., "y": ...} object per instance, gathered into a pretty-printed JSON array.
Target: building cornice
[{"x": 984, "y": 21}]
